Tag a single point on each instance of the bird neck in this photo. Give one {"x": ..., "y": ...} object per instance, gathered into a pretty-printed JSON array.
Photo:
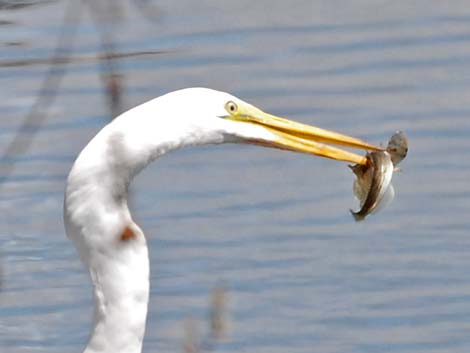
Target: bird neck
[
  {"x": 97, "y": 218},
  {"x": 120, "y": 275},
  {"x": 110, "y": 244},
  {"x": 114, "y": 250}
]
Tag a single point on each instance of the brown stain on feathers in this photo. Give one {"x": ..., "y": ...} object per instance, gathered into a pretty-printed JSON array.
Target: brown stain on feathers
[{"x": 127, "y": 234}]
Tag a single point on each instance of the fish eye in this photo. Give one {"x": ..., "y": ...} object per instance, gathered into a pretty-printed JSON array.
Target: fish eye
[{"x": 231, "y": 107}]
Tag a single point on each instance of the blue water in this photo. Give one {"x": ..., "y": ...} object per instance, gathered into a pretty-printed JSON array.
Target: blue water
[{"x": 274, "y": 226}]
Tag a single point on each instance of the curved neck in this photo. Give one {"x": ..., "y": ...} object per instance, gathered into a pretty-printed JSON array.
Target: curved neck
[
  {"x": 97, "y": 218},
  {"x": 120, "y": 277},
  {"x": 110, "y": 244},
  {"x": 114, "y": 250}
]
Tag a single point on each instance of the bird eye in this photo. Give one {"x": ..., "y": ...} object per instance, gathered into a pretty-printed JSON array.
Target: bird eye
[{"x": 231, "y": 107}]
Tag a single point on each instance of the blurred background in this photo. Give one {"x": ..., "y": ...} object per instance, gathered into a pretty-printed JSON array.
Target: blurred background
[{"x": 274, "y": 226}]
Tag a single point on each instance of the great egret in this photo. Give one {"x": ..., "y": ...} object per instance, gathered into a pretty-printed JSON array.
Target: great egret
[{"x": 96, "y": 215}]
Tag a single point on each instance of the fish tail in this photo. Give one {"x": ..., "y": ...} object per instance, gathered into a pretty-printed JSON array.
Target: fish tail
[{"x": 357, "y": 216}]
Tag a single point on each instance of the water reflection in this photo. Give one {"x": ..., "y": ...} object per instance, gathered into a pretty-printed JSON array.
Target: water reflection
[{"x": 273, "y": 225}]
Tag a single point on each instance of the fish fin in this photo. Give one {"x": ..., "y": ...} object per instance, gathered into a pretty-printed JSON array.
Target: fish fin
[
  {"x": 357, "y": 216},
  {"x": 358, "y": 169}
]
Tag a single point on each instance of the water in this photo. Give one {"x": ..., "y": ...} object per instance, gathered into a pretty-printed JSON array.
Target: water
[{"x": 275, "y": 226}]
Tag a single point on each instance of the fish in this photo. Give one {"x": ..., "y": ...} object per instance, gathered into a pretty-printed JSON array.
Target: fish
[
  {"x": 373, "y": 186},
  {"x": 372, "y": 182},
  {"x": 397, "y": 147}
]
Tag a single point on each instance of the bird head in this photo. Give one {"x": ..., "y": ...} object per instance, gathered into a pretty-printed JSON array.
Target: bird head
[{"x": 240, "y": 122}]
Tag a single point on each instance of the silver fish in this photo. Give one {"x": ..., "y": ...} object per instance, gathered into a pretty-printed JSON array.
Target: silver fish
[
  {"x": 372, "y": 182},
  {"x": 373, "y": 186}
]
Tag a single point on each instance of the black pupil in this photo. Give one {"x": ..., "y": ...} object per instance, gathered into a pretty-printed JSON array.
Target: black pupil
[{"x": 232, "y": 107}]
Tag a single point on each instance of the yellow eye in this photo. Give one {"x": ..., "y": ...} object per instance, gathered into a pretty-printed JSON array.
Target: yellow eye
[{"x": 231, "y": 107}]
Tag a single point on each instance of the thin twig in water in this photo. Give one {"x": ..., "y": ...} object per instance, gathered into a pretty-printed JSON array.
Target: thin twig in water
[
  {"x": 218, "y": 322},
  {"x": 48, "y": 90},
  {"x": 84, "y": 58},
  {"x": 148, "y": 9},
  {"x": 105, "y": 15}
]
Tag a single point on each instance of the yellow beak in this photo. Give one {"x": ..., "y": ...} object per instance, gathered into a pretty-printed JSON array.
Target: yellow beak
[{"x": 294, "y": 136}]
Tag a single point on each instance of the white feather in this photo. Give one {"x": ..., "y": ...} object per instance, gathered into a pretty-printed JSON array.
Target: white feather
[{"x": 96, "y": 212}]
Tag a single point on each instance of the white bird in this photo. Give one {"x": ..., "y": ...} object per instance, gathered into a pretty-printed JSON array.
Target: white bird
[{"x": 96, "y": 215}]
